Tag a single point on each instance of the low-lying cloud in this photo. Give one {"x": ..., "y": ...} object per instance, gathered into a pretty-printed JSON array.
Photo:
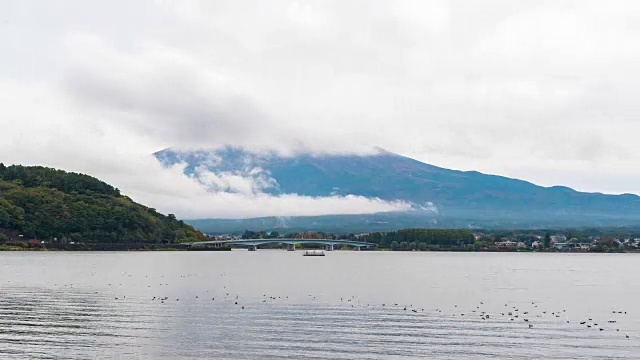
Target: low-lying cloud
[{"x": 192, "y": 197}]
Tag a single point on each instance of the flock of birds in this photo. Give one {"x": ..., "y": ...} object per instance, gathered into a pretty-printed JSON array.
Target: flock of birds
[
  {"x": 510, "y": 313},
  {"x": 529, "y": 315},
  {"x": 513, "y": 314}
]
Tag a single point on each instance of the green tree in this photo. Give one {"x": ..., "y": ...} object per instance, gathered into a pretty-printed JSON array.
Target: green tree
[
  {"x": 47, "y": 203},
  {"x": 547, "y": 241}
]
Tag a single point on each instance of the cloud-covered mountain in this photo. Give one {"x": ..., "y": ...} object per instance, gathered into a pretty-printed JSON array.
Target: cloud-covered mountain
[{"x": 435, "y": 196}]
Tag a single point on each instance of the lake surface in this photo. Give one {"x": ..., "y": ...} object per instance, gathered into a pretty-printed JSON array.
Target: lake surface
[{"x": 274, "y": 304}]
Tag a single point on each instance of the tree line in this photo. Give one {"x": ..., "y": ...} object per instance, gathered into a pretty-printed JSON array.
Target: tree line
[
  {"x": 419, "y": 239},
  {"x": 49, "y": 204}
]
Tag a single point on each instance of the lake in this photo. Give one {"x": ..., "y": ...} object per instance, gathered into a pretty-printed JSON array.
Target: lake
[{"x": 273, "y": 304}]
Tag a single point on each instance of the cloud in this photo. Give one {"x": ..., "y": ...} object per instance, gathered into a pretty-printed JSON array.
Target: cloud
[
  {"x": 51, "y": 130},
  {"x": 315, "y": 78},
  {"x": 189, "y": 197},
  {"x": 250, "y": 182},
  {"x": 539, "y": 90},
  {"x": 171, "y": 97},
  {"x": 159, "y": 92}
]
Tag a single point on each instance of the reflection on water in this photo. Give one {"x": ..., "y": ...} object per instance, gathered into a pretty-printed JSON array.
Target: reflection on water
[{"x": 347, "y": 305}]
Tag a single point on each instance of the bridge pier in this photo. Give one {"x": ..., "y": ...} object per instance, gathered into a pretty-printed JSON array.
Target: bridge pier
[
  {"x": 253, "y": 248},
  {"x": 291, "y": 247}
]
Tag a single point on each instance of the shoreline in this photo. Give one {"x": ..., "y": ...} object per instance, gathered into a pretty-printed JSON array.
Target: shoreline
[
  {"x": 173, "y": 247},
  {"x": 105, "y": 247}
]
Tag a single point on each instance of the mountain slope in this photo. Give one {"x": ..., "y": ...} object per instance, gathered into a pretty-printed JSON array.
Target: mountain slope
[
  {"x": 45, "y": 203},
  {"x": 462, "y": 198}
]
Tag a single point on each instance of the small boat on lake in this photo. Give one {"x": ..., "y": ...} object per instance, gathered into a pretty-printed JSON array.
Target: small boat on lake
[{"x": 313, "y": 253}]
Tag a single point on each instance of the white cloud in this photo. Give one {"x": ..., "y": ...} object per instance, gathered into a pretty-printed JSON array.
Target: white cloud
[
  {"x": 248, "y": 183},
  {"x": 173, "y": 192},
  {"x": 539, "y": 90},
  {"x": 47, "y": 130}
]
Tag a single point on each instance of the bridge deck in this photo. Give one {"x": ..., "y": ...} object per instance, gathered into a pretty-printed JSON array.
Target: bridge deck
[{"x": 256, "y": 242}]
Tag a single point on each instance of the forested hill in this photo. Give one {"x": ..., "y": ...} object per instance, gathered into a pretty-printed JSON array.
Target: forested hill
[{"x": 43, "y": 203}]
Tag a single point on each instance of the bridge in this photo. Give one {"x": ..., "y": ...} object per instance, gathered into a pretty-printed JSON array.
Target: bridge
[{"x": 252, "y": 244}]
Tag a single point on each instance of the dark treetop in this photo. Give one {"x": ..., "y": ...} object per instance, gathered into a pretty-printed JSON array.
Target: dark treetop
[{"x": 44, "y": 203}]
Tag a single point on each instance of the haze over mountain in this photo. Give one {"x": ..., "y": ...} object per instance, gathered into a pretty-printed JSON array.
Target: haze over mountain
[
  {"x": 433, "y": 196},
  {"x": 543, "y": 91}
]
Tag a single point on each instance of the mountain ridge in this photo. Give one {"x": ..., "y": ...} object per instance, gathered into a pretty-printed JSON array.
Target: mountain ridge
[{"x": 462, "y": 198}]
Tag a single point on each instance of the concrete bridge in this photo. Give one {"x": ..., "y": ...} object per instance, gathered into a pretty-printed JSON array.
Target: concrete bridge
[{"x": 252, "y": 244}]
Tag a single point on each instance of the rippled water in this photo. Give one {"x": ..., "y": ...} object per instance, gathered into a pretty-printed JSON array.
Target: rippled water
[{"x": 347, "y": 305}]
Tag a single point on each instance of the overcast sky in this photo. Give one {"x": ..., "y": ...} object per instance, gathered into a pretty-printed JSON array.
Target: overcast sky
[{"x": 545, "y": 91}]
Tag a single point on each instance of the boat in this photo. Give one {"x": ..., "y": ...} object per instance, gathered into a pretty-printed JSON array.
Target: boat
[{"x": 313, "y": 253}]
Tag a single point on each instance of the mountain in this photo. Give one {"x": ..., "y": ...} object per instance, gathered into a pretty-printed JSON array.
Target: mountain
[
  {"x": 43, "y": 203},
  {"x": 440, "y": 197}
]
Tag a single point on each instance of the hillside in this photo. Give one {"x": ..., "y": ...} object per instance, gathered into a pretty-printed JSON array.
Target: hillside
[
  {"x": 440, "y": 196},
  {"x": 44, "y": 203}
]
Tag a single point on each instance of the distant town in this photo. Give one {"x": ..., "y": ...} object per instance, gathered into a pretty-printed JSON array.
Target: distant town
[
  {"x": 481, "y": 241},
  {"x": 559, "y": 243}
]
